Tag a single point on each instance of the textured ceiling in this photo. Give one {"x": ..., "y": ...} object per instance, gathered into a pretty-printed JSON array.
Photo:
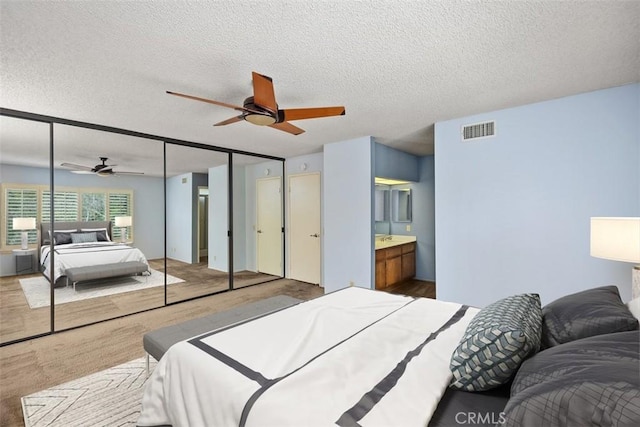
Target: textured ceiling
[{"x": 397, "y": 67}]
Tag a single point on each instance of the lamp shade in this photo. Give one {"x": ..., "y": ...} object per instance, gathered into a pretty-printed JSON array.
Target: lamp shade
[
  {"x": 123, "y": 221},
  {"x": 24, "y": 223},
  {"x": 616, "y": 238}
]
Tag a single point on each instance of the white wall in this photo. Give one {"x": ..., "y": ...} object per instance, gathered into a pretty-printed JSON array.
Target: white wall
[
  {"x": 512, "y": 212},
  {"x": 218, "y": 218},
  {"x": 348, "y": 214},
  {"x": 180, "y": 217}
]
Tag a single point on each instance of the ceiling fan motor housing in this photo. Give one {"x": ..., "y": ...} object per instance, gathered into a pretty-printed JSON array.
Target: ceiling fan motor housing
[{"x": 266, "y": 118}]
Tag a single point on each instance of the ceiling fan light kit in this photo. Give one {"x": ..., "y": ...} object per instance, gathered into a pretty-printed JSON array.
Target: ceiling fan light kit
[{"x": 261, "y": 109}]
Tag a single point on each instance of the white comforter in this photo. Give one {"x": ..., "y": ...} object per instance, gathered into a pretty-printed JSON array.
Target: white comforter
[
  {"x": 85, "y": 254},
  {"x": 352, "y": 357}
]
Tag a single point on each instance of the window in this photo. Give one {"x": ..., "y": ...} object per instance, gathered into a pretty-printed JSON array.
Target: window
[
  {"x": 70, "y": 204},
  {"x": 119, "y": 205},
  {"x": 20, "y": 203},
  {"x": 65, "y": 206},
  {"x": 94, "y": 207}
]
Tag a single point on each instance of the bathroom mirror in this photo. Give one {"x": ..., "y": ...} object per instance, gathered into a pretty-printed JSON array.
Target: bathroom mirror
[
  {"x": 382, "y": 209},
  {"x": 382, "y": 203},
  {"x": 401, "y": 204}
]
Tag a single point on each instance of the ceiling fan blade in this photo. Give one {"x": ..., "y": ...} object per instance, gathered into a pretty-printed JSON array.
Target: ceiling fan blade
[
  {"x": 311, "y": 113},
  {"x": 263, "y": 94},
  {"x": 78, "y": 167},
  {"x": 229, "y": 121},
  {"x": 211, "y": 101},
  {"x": 126, "y": 173},
  {"x": 287, "y": 127},
  {"x": 84, "y": 172}
]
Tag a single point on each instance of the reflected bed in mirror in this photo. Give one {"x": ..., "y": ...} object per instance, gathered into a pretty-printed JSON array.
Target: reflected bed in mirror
[{"x": 84, "y": 251}]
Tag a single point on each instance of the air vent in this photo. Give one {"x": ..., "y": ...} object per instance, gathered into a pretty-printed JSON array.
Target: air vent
[{"x": 478, "y": 130}]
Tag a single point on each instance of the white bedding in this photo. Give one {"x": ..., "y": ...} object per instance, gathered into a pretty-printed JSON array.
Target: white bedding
[
  {"x": 86, "y": 254},
  {"x": 352, "y": 357}
]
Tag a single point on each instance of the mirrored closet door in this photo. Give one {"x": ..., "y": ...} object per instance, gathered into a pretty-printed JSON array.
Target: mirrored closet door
[
  {"x": 106, "y": 246},
  {"x": 25, "y": 296},
  {"x": 257, "y": 220},
  {"x": 197, "y": 228}
]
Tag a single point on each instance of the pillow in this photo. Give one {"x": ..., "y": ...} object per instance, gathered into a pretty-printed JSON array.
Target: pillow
[
  {"x": 496, "y": 342},
  {"x": 101, "y": 233},
  {"x": 87, "y": 237},
  {"x": 584, "y": 314},
  {"x": 591, "y": 381},
  {"x": 634, "y": 307},
  {"x": 62, "y": 237}
]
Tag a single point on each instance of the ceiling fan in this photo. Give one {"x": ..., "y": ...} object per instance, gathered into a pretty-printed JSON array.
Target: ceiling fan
[
  {"x": 101, "y": 169},
  {"x": 261, "y": 108}
]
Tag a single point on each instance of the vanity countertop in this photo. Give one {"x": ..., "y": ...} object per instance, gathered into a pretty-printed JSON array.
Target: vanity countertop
[{"x": 384, "y": 241}]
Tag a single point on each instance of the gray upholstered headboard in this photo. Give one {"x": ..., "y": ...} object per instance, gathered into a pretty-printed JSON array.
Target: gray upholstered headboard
[{"x": 72, "y": 225}]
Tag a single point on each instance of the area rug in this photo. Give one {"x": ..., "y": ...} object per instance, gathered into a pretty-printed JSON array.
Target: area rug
[
  {"x": 107, "y": 398},
  {"x": 36, "y": 289}
]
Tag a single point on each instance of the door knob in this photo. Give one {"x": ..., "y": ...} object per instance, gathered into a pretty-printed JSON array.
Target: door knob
[
  {"x": 259, "y": 231},
  {"x": 314, "y": 235}
]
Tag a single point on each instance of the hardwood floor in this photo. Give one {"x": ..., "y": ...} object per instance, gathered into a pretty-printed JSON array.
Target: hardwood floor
[
  {"x": 41, "y": 363},
  {"x": 18, "y": 320},
  {"x": 415, "y": 288}
]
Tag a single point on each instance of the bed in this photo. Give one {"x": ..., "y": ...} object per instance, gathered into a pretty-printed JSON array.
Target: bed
[
  {"x": 359, "y": 357},
  {"x": 85, "y": 247}
]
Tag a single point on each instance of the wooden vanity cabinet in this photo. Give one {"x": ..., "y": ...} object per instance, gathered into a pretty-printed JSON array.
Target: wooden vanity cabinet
[
  {"x": 408, "y": 261},
  {"x": 395, "y": 264},
  {"x": 381, "y": 269}
]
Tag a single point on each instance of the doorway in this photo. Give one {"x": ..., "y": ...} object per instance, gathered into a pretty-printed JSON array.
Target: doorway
[
  {"x": 304, "y": 228},
  {"x": 203, "y": 223}
]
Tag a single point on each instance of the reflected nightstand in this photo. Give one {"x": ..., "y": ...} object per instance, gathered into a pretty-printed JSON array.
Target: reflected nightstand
[{"x": 25, "y": 261}]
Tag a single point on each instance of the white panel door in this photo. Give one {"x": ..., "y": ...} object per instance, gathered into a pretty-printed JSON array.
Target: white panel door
[
  {"x": 304, "y": 231},
  {"x": 269, "y": 225}
]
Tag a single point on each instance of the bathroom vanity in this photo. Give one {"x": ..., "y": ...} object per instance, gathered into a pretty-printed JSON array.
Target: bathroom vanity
[{"x": 395, "y": 260}]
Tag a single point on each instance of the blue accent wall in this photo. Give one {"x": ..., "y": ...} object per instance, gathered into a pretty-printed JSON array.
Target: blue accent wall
[
  {"x": 395, "y": 164},
  {"x": 424, "y": 225},
  {"x": 513, "y": 211},
  {"x": 347, "y": 249}
]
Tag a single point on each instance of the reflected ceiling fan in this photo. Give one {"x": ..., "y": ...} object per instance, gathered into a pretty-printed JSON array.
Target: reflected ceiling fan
[
  {"x": 101, "y": 170},
  {"x": 261, "y": 108}
]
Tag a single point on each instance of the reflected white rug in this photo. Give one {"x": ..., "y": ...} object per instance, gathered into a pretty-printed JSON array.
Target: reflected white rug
[
  {"x": 36, "y": 289},
  {"x": 107, "y": 398}
]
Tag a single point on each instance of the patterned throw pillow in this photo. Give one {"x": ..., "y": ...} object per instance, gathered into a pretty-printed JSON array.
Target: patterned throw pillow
[
  {"x": 84, "y": 237},
  {"x": 497, "y": 340}
]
